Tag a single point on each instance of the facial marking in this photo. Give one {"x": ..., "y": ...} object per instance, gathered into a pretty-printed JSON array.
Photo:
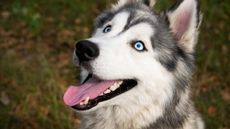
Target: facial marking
[
  {"x": 140, "y": 32},
  {"x": 117, "y": 24}
]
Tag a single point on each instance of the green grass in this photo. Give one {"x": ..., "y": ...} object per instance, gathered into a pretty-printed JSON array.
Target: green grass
[{"x": 36, "y": 43}]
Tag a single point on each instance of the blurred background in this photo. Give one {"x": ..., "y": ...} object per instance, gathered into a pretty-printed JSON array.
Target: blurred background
[{"x": 37, "y": 39}]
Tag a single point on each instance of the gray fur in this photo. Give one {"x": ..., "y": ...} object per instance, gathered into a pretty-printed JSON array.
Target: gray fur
[{"x": 179, "y": 111}]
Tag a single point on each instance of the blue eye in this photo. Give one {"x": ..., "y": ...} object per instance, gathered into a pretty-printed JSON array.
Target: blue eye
[
  {"x": 107, "y": 29},
  {"x": 139, "y": 45}
]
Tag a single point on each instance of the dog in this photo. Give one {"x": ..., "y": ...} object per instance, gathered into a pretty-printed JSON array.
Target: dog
[{"x": 136, "y": 68}]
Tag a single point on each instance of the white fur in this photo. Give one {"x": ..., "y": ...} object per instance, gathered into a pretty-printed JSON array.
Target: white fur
[
  {"x": 144, "y": 103},
  {"x": 153, "y": 90}
]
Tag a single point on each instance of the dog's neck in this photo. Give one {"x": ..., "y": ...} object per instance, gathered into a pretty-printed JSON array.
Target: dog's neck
[
  {"x": 117, "y": 118},
  {"x": 138, "y": 117}
]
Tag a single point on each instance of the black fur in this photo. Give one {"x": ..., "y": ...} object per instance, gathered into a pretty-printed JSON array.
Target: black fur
[
  {"x": 175, "y": 5},
  {"x": 103, "y": 19},
  {"x": 146, "y": 2},
  {"x": 170, "y": 53}
]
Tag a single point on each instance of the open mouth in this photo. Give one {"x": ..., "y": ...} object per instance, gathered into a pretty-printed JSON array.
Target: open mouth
[{"x": 94, "y": 90}]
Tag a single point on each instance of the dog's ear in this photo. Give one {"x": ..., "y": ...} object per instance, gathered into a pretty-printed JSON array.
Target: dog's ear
[
  {"x": 184, "y": 19},
  {"x": 149, "y": 3}
]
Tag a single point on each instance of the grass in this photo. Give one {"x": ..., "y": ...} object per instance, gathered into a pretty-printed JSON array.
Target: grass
[{"x": 36, "y": 43}]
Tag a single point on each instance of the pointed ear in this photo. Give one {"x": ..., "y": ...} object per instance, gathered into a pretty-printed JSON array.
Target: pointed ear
[
  {"x": 184, "y": 19},
  {"x": 149, "y": 3}
]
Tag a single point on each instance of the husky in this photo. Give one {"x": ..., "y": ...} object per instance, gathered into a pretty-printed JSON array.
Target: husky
[{"x": 136, "y": 68}]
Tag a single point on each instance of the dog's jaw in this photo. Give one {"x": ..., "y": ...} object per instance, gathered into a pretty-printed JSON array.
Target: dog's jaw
[
  {"x": 117, "y": 114},
  {"x": 95, "y": 90},
  {"x": 123, "y": 116}
]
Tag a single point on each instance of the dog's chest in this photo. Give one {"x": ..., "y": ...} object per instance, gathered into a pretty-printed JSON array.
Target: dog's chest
[{"x": 108, "y": 122}]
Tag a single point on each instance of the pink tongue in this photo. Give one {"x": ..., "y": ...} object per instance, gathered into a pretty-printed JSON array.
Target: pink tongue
[{"x": 92, "y": 89}]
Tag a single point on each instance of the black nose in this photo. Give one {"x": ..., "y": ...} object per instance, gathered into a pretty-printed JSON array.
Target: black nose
[{"x": 86, "y": 50}]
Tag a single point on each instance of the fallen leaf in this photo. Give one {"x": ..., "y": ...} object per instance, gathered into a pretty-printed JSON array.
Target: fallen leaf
[
  {"x": 5, "y": 14},
  {"x": 229, "y": 36},
  {"x": 4, "y": 99},
  {"x": 77, "y": 21},
  {"x": 212, "y": 111},
  {"x": 225, "y": 48},
  {"x": 85, "y": 31},
  {"x": 226, "y": 94},
  {"x": 50, "y": 19},
  {"x": 66, "y": 33}
]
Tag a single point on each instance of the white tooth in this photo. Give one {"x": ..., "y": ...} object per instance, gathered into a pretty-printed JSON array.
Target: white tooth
[
  {"x": 107, "y": 91},
  {"x": 101, "y": 94},
  {"x": 119, "y": 83},
  {"x": 86, "y": 101},
  {"x": 81, "y": 103},
  {"x": 113, "y": 87}
]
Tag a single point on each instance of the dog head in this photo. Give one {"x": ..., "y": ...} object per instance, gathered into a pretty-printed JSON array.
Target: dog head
[{"x": 136, "y": 56}]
